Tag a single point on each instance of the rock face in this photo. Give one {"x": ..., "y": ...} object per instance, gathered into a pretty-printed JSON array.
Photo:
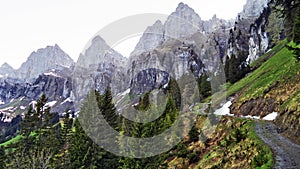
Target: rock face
[
  {"x": 55, "y": 86},
  {"x": 51, "y": 57},
  {"x": 99, "y": 67},
  {"x": 148, "y": 80},
  {"x": 47, "y": 70},
  {"x": 174, "y": 57},
  {"x": 9, "y": 90},
  {"x": 187, "y": 43},
  {"x": 56, "y": 77},
  {"x": 6, "y": 71},
  {"x": 253, "y": 8},
  {"x": 182, "y": 23},
  {"x": 259, "y": 40},
  {"x": 151, "y": 38},
  {"x": 215, "y": 24},
  {"x": 183, "y": 44},
  {"x": 250, "y": 35}
]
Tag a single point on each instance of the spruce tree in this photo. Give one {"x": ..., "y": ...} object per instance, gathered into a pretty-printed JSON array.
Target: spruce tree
[
  {"x": 290, "y": 12},
  {"x": 28, "y": 124},
  {"x": 79, "y": 145},
  {"x": 2, "y": 158},
  {"x": 205, "y": 87},
  {"x": 65, "y": 140},
  {"x": 108, "y": 109}
]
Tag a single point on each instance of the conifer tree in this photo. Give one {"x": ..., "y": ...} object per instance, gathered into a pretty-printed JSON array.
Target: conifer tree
[
  {"x": 108, "y": 109},
  {"x": 290, "y": 12},
  {"x": 204, "y": 87},
  {"x": 28, "y": 124},
  {"x": 65, "y": 140},
  {"x": 79, "y": 145},
  {"x": 2, "y": 158}
]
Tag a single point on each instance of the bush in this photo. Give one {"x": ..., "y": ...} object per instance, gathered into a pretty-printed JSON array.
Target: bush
[{"x": 193, "y": 157}]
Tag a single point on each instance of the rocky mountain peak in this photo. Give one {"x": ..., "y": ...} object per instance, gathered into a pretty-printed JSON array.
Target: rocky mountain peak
[
  {"x": 6, "y": 66},
  {"x": 99, "y": 66},
  {"x": 99, "y": 40},
  {"x": 6, "y": 70},
  {"x": 182, "y": 23},
  {"x": 184, "y": 8},
  {"x": 253, "y": 8},
  {"x": 151, "y": 38},
  {"x": 215, "y": 24},
  {"x": 50, "y": 57},
  {"x": 99, "y": 52},
  {"x": 157, "y": 24}
]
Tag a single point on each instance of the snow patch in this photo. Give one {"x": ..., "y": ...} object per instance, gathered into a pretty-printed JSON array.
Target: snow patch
[
  {"x": 136, "y": 104},
  {"x": 76, "y": 114},
  {"x": 251, "y": 117},
  {"x": 67, "y": 100},
  {"x": 125, "y": 92},
  {"x": 33, "y": 104},
  {"x": 50, "y": 104},
  {"x": 7, "y": 119},
  {"x": 7, "y": 109},
  {"x": 224, "y": 110},
  {"x": 22, "y": 107},
  {"x": 2, "y": 102},
  {"x": 271, "y": 116},
  {"x": 165, "y": 86},
  {"x": 51, "y": 74},
  {"x": 121, "y": 96},
  {"x": 11, "y": 100}
]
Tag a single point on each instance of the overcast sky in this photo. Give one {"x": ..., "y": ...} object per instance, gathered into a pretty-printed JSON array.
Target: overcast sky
[{"x": 27, "y": 25}]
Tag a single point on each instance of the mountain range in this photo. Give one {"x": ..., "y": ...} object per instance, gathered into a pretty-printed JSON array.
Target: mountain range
[
  {"x": 173, "y": 46},
  {"x": 250, "y": 51}
]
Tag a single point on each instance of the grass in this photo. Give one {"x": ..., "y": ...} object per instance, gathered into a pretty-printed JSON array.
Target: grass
[
  {"x": 240, "y": 147},
  {"x": 262, "y": 59},
  {"x": 282, "y": 67},
  {"x": 16, "y": 139},
  {"x": 293, "y": 102},
  {"x": 278, "y": 79},
  {"x": 11, "y": 141}
]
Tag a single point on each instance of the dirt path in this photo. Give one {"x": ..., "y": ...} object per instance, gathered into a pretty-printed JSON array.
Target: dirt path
[{"x": 287, "y": 154}]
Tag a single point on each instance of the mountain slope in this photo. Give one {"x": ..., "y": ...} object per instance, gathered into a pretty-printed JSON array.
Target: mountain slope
[{"x": 273, "y": 87}]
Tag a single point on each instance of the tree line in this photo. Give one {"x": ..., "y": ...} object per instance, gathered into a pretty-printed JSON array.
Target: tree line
[{"x": 50, "y": 141}]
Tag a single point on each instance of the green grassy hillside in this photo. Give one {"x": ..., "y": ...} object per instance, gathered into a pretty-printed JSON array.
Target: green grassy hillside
[{"x": 274, "y": 86}]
